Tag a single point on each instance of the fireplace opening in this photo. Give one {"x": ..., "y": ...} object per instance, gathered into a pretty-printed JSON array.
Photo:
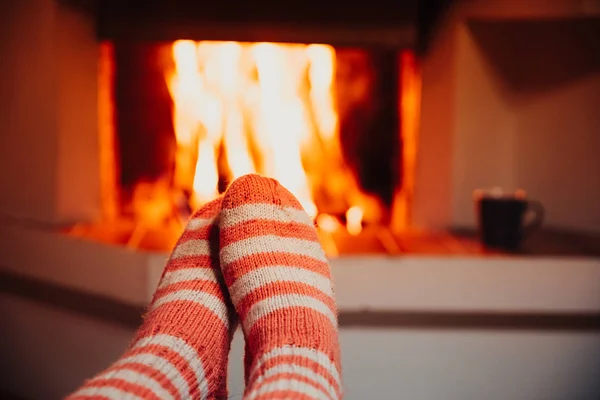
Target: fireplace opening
[{"x": 180, "y": 120}]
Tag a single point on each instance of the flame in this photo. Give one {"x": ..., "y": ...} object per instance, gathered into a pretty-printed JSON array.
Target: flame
[
  {"x": 354, "y": 217},
  {"x": 269, "y": 109},
  {"x": 327, "y": 223},
  {"x": 106, "y": 133},
  {"x": 410, "y": 99},
  {"x": 246, "y": 97}
]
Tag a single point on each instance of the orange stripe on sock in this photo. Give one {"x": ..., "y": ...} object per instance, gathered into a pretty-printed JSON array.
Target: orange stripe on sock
[
  {"x": 283, "y": 394},
  {"x": 87, "y": 397},
  {"x": 195, "y": 317},
  {"x": 258, "y": 198},
  {"x": 291, "y": 328},
  {"x": 251, "y": 228}
]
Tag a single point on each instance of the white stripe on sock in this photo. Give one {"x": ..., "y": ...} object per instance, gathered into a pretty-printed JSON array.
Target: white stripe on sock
[
  {"x": 161, "y": 365},
  {"x": 271, "y": 244},
  {"x": 184, "y": 350},
  {"x": 211, "y": 302},
  {"x": 278, "y": 302},
  {"x": 136, "y": 378},
  {"x": 270, "y": 274},
  {"x": 196, "y": 223},
  {"x": 272, "y": 212},
  {"x": 287, "y": 385},
  {"x": 188, "y": 274},
  {"x": 314, "y": 355},
  {"x": 291, "y": 368},
  {"x": 193, "y": 247},
  {"x": 107, "y": 392}
]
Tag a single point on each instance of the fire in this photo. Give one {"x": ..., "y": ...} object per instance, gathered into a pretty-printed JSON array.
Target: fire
[
  {"x": 267, "y": 108},
  {"x": 273, "y": 109},
  {"x": 354, "y": 220}
]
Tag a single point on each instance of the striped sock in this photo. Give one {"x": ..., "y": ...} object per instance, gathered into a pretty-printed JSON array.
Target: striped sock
[
  {"x": 280, "y": 285},
  {"x": 181, "y": 349}
]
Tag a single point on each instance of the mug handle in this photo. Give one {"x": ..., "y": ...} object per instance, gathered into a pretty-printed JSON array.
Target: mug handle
[{"x": 536, "y": 209}]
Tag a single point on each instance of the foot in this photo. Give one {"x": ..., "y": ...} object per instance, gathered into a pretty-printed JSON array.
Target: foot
[
  {"x": 280, "y": 284},
  {"x": 181, "y": 349}
]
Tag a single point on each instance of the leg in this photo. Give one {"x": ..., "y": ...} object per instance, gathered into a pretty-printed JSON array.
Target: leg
[
  {"x": 280, "y": 285},
  {"x": 181, "y": 349}
]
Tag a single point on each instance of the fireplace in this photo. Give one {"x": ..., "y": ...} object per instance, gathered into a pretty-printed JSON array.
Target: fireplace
[
  {"x": 184, "y": 118},
  {"x": 334, "y": 120}
]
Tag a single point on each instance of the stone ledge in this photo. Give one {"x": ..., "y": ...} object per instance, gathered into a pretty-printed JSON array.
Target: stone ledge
[
  {"x": 405, "y": 283},
  {"x": 131, "y": 316}
]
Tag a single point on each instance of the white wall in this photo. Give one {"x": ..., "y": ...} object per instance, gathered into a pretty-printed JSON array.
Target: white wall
[
  {"x": 27, "y": 108},
  {"x": 48, "y": 105},
  {"x": 558, "y": 145},
  {"x": 483, "y": 139},
  {"x": 47, "y": 352},
  {"x": 543, "y": 123},
  {"x": 522, "y": 99},
  {"x": 433, "y": 173}
]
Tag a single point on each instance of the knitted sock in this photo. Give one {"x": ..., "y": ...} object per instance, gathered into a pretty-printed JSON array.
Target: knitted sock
[
  {"x": 181, "y": 349},
  {"x": 279, "y": 281}
]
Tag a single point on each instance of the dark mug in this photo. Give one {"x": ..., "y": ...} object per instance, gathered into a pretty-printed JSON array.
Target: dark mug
[{"x": 504, "y": 220}]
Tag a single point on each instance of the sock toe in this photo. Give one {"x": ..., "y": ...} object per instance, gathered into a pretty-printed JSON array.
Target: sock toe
[{"x": 253, "y": 189}]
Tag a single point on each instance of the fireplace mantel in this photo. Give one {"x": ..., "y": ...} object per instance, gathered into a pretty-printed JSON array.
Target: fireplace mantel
[{"x": 381, "y": 23}]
